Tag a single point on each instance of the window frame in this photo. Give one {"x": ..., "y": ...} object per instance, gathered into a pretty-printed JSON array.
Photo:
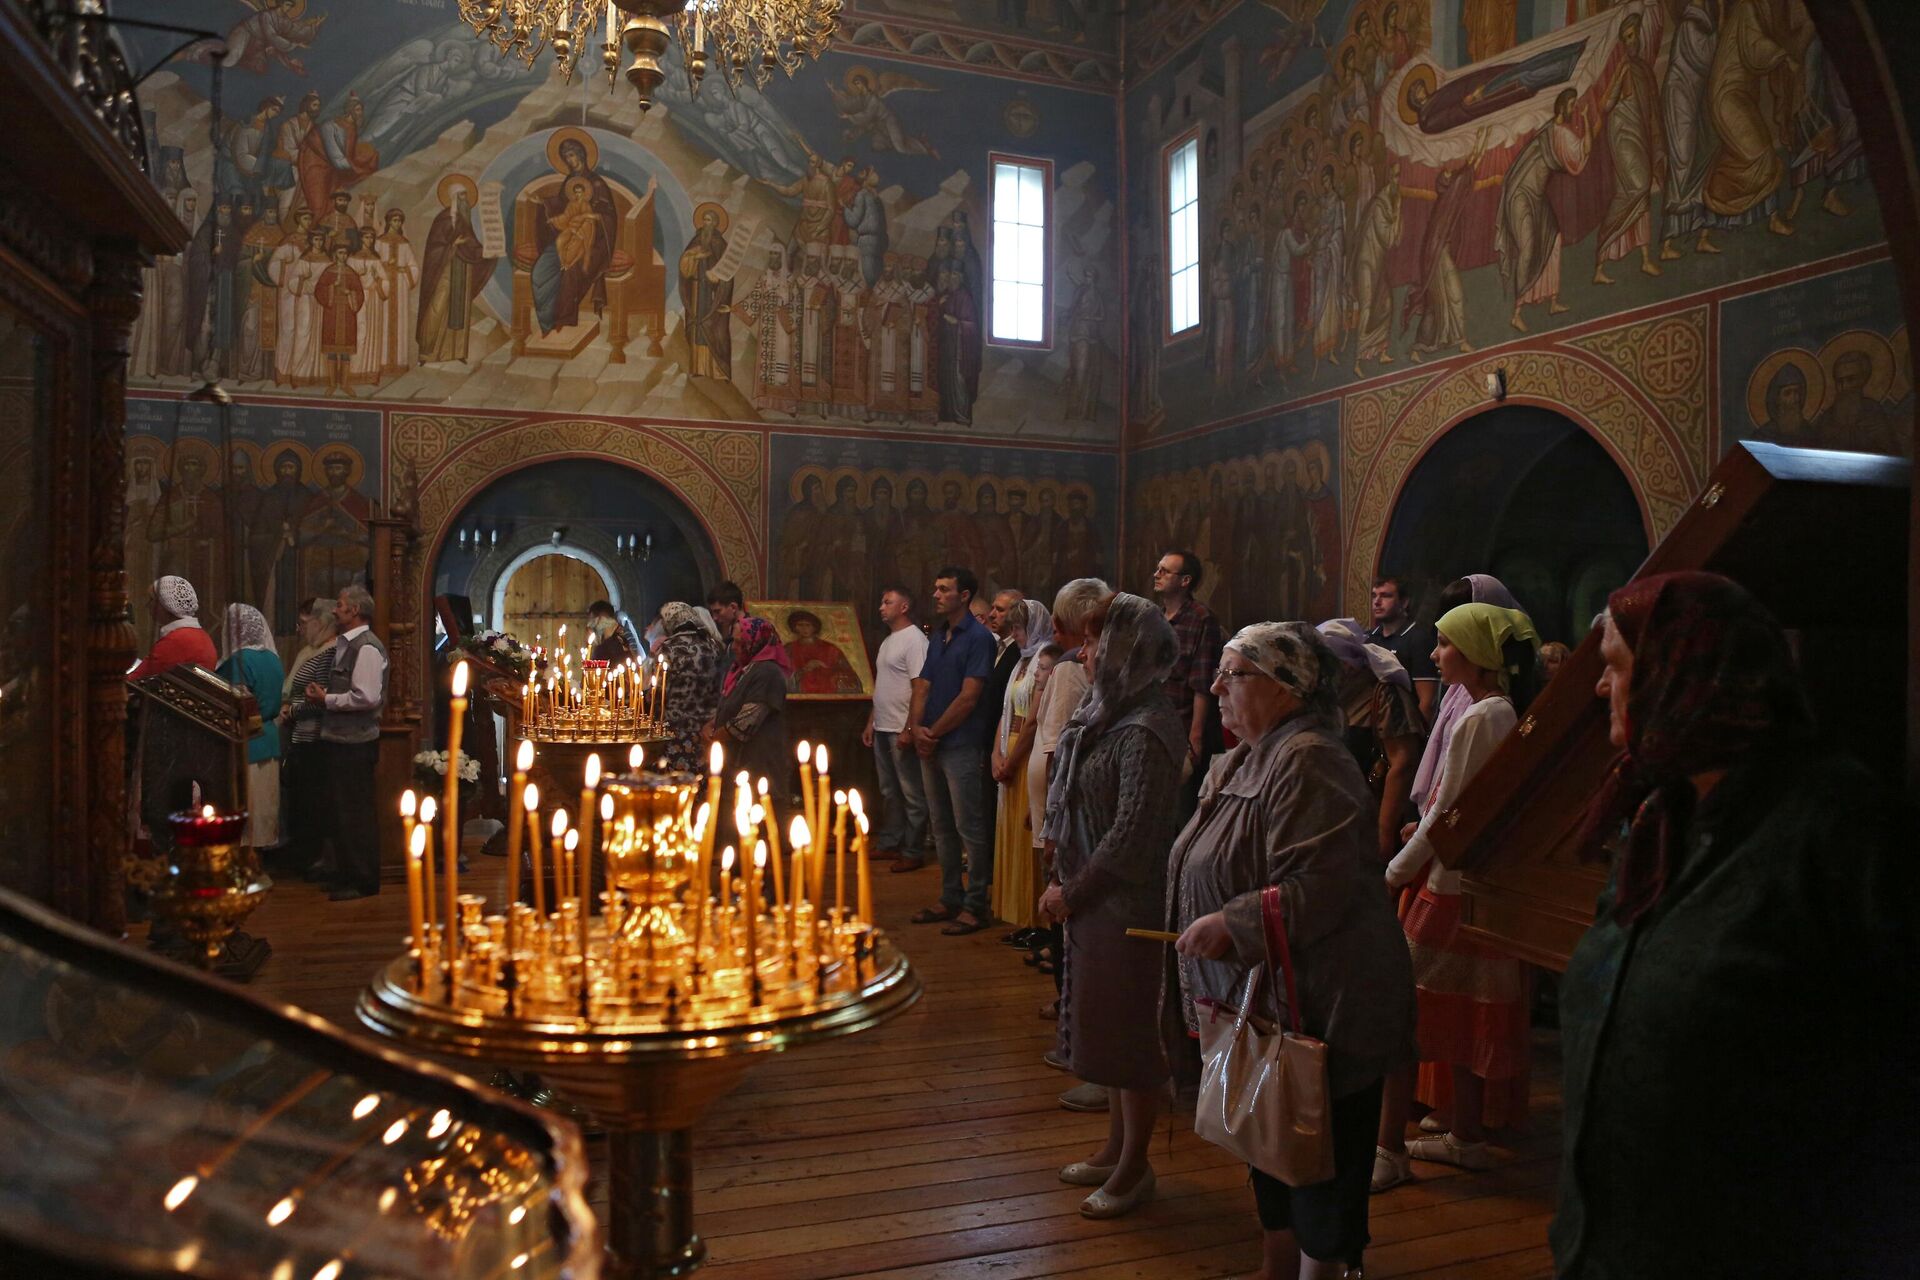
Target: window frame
[
  {"x": 1168, "y": 333},
  {"x": 994, "y": 160}
]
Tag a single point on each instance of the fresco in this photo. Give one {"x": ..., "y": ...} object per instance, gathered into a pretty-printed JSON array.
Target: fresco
[
  {"x": 823, "y": 638},
  {"x": 1814, "y": 363},
  {"x": 303, "y": 484},
  {"x": 1383, "y": 182},
  {"x": 394, "y": 213},
  {"x": 852, "y": 516},
  {"x": 1258, "y": 503}
]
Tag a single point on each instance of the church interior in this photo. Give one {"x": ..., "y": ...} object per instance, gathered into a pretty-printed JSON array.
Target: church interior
[{"x": 554, "y": 548}]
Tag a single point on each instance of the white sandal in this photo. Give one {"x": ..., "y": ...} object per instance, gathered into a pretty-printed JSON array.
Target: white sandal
[
  {"x": 1390, "y": 1169},
  {"x": 1447, "y": 1149},
  {"x": 1082, "y": 1174}
]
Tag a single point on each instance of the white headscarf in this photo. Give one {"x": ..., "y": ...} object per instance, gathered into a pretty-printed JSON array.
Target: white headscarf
[
  {"x": 706, "y": 620},
  {"x": 247, "y": 629},
  {"x": 1036, "y": 626},
  {"x": 177, "y": 596}
]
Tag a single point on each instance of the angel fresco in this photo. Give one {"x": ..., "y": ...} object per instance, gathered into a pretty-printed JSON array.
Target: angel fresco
[
  {"x": 269, "y": 34},
  {"x": 864, "y": 106}
]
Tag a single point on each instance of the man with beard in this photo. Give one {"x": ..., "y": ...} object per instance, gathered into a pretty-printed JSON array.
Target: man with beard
[
  {"x": 707, "y": 302},
  {"x": 333, "y": 158},
  {"x": 842, "y": 547}
]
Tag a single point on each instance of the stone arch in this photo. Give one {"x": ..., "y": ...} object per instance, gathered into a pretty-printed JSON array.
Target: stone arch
[{"x": 1384, "y": 434}]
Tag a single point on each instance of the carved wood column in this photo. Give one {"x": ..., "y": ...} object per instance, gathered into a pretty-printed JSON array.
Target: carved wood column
[
  {"x": 114, "y": 301},
  {"x": 396, "y": 621}
]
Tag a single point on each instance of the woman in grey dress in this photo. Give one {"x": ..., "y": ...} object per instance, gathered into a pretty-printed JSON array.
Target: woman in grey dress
[
  {"x": 1110, "y": 818},
  {"x": 1288, "y": 808}
]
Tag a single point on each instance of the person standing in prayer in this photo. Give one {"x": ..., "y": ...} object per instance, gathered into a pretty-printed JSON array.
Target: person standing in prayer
[
  {"x": 695, "y": 657},
  {"x": 1528, "y": 237},
  {"x": 1189, "y": 684},
  {"x": 706, "y": 301},
  {"x": 1395, "y": 630},
  {"x": 1015, "y": 888},
  {"x": 454, "y": 272},
  {"x": 1110, "y": 826},
  {"x": 1285, "y": 811},
  {"x": 253, "y": 663},
  {"x": 750, "y": 719},
  {"x": 610, "y": 642},
  {"x": 1473, "y": 999},
  {"x": 178, "y": 636},
  {"x": 1760, "y": 872},
  {"x": 1632, "y": 107},
  {"x": 951, "y": 726},
  {"x": 304, "y": 769},
  {"x": 902, "y": 825},
  {"x": 1475, "y": 588},
  {"x": 352, "y": 697},
  {"x": 1073, "y": 607},
  {"x": 1385, "y": 729}
]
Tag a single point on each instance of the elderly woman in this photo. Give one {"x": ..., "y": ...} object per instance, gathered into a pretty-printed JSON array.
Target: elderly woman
[
  {"x": 1288, "y": 808},
  {"x": 750, "y": 720},
  {"x": 1385, "y": 729},
  {"x": 1015, "y": 886},
  {"x": 252, "y": 661},
  {"x": 1739, "y": 1069},
  {"x": 1110, "y": 818},
  {"x": 694, "y": 656},
  {"x": 1073, "y": 604},
  {"x": 1474, "y": 1021},
  {"x": 178, "y": 638},
  {"x": 306, "y": 772}
]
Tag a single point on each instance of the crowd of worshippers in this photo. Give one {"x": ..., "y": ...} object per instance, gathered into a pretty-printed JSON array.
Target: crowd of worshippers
[{"x": 310, "y": 767}]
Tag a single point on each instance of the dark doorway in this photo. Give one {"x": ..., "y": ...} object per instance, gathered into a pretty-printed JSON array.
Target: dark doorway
[{"x": 1524, "y": 494}]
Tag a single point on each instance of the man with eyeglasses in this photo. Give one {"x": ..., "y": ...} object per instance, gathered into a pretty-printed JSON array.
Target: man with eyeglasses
[{"x": 1190, "y": 684}]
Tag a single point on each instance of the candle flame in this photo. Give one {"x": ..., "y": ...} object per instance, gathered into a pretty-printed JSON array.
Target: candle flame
[
  {"x": 460, "y": 681},
  {"x": 743, "y": 821},
  {"x": 861, "y": 818},
  {"x": 206, "y": 811},
  {"x": 593, "y": 771},
  {"x": 740, "y": 780},
  {"x": 523, "y": 758},
  {"x": 759, "y": 814},
  {"x": 636, "y": 754},
  {"x": 409, "y": 803},
  {"x": 797, "y": 834},
  {"x": 559, "y": 822},
  {"x": 428, "y": 808},
  {"x": 726, "y": 860},
  {"x": 854, "y": 802},
  {"x": 418, "y": 848},
  {"x": 177, "y": 1195},
  {"x": 820, "y": 758},
  {"x": 606, "y": 807},
  {"x": 700, "y": 820},
  {"x": 760, "y": 854},
  {"x": 840, "y": 798},
  {"x": 760, "y": 787},
  {"x": 803, "y": 752},
  {"x": 280, "y": 1212},
  {"x": 716, "y": 759},
  {"x": 563, "y": 631},
  {"x": 530, "y": 798},
  {"x": 572, "y": 841}
]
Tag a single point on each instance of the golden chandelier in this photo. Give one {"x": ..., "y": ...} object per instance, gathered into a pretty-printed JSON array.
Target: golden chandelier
[{"x": 749, "y": 38}]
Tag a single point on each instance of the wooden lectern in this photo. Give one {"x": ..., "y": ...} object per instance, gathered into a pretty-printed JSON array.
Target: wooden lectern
[{"x": 1821, "y": 539}]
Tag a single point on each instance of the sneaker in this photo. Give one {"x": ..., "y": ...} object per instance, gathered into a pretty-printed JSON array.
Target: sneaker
[
  {"x": 1447, "y": 1149},
  {"x": 1085, "y": 1097},
  {"x": 1390, "y": 1169}
]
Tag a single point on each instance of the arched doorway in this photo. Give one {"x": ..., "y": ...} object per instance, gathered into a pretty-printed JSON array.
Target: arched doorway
[
  {"x": 1526, "y": 495},
  {"x": 549, "y": 591}
]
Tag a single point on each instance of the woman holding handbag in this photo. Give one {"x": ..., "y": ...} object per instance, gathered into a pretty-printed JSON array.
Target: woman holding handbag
[{"x": 1288, "y": 810}]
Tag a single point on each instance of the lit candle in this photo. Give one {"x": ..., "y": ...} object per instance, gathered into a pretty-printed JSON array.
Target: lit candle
[
  {"x": 590, "y": 785},
  {"x": 769, "y": 821},
  {"x": 558, "y": 853},
  {"x": 840, "y": 855},
  {"x": 522, "y": 761},
  {"x": 409, "y": 805},
  {"x": 636, "y": 756},
  {"x": 758, "y": 815},
  {"x": 798, "y": 837},
  {"x": 606, "y": 834},
  {"x": 660, "y": 710},
  {"x": 416, "y": 912},
  {"x": 577, "y": 857},
  {"x": 726, "y": 904},
  {"x": 716, "y": 761},
  {"x": 866, "y": 883},
  {"x": 816, "y": 889},
  {"x": 805, "y": 753},
  {"x": 530, "y": 798},
  {"x": 753, "y": 919},
  {"x": 456, "y": 722},
  {"x": 429, "y": 810}
]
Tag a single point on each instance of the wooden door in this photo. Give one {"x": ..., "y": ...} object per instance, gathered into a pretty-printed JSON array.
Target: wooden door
[{"x": 547, "y": 592}]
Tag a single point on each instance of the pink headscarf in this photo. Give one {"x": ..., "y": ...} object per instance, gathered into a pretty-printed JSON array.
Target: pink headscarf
[{"x": 757, "y": 638}]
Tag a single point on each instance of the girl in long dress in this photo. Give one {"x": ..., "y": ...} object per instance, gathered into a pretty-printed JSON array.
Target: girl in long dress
[{"x": 1015, "y": 887}]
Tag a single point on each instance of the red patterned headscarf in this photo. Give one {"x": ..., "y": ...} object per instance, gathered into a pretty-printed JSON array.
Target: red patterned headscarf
[
  {"x": 1713, "y": 681},
  {"x": 757, "y": 639}
]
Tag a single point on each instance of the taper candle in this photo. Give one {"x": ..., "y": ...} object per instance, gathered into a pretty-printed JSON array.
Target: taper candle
[
  {"x": 429, "y": 810},
  {"x": 865, "y": 875},
  {"x": 805, "y": 754},
  {"x": 816, "y": 888},
  {"x": 556, "y": 851},
  {"x": 798, "y": 837},
  {"x": 416, "y": 913},
  {"x": 840, "y": 855},
  {"x": 456, "y": 723},
  {"x": 583, "y": 871},
  {"x": 723, "y": 924},
  {"x": 716, "y": 761},
  {"x": 772, "y": 837},
  {"x": 409, "y": 806},
  {"x": 753, "y": 920},
  {"x": 522, "y": 761},
  {"x": 530, "y": 798}
]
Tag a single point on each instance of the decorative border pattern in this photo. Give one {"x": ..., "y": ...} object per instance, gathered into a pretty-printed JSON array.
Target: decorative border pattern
[
  {"x": 979, "y": 51},
  {"x": 1667, "y": 358}
]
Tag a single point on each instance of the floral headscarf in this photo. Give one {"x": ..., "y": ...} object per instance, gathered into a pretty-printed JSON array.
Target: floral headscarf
[
  {"x": 1713, "y": 680},
  {"x": 1294, "y": 654},
  {"x": 756, "y": 638},
  {"x": 676, "y": 615}
]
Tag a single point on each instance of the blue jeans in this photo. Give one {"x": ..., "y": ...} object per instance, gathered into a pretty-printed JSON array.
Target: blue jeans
[
  {"x": 962, "y": 828},
  {"x": 903, "y": 798}
]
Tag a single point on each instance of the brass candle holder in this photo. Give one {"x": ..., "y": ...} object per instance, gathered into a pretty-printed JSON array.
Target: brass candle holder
[
  {"x": 646, "y": 1006},
  {"x": 213, "y": 882}
]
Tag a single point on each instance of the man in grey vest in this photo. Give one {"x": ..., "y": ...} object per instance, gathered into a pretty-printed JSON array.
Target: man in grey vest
[{"x": 352, "y": 698}]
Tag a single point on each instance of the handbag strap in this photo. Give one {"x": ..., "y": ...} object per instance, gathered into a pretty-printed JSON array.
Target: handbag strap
[{"x": 1276, "y": 931}]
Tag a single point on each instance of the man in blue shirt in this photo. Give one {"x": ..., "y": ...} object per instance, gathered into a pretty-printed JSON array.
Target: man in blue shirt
[{"x": 951, "y": 723}]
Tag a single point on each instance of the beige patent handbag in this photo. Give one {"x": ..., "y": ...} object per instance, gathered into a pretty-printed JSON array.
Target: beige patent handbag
[{"x": 1263, "y": 1092}]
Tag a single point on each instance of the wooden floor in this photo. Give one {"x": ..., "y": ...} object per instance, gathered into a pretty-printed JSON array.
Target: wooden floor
[{"x": 928, "y": 1150}]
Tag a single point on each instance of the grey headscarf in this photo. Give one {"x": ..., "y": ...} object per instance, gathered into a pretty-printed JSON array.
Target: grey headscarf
[
  {"x": 1137, "y": 650},
  {"x": 1488, "y": 589},
  {"x": 1294, "y": 654},
  {"x": 1036, "y": 624},
  {"x": 1348, "y": 640},
  {"x": 247, "y": 629}
]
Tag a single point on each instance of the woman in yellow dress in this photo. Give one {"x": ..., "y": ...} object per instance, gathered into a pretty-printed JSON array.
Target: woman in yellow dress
[{"x": 1015, "y": 888}]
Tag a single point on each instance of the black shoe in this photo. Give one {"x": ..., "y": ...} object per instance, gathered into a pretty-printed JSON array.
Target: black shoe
[
  {"x": 349, "y": 895},
  {"x": 1018, "y": 938}
]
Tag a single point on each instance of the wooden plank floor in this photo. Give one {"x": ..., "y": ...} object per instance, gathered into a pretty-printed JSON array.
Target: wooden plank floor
[{"x": 928, "y": 1150}]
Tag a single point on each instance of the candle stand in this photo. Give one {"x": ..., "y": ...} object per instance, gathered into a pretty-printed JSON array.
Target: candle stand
[
  {"x": 212, "y": 883},
  {"x": 645, "y": 1013}
]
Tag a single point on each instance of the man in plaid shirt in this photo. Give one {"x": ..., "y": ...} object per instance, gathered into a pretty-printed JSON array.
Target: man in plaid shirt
[{"x": 1189, "y": 686}]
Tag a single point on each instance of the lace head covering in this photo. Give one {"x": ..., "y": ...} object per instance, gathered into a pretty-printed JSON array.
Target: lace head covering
[
  {"x": 177, "y": 596},
  {"x": 247, "y": 629}
]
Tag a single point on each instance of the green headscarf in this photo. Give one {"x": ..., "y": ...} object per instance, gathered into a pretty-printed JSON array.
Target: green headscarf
[{"x": 1481, "y": 631}]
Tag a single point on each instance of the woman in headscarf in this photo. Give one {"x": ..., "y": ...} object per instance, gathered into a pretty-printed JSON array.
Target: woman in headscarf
[
  {"x": 750, "y": 720},
  {"x": 178, "y": 637},
  {"x": 252, "y": 661},
  {"x": 1015, "y": 883},
  {"x": 1384, "y": 726},
  {"x": 694, "y": 656},
  {"x": 1473, "y": 999},
  {"x": 1288, "y": 808},
  {"x": 1475, "y": 588},
  {"x": 1738, "y": 1022},
  {"x": 1110, "y": 818}
]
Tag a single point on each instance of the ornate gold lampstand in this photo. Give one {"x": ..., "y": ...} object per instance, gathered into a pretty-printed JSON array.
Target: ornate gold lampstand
[
  {"x": 213, "y": 882},
  {"x": 701, "y": 955}
]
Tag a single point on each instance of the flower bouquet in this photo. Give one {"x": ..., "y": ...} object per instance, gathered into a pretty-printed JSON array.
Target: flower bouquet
[
  {"x": 430, "y": 774},
  {"x": 498, "y": 654}
]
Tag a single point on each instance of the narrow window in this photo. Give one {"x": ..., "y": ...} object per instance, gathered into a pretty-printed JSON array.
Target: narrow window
[
  {"x": 1183, "y": 236},
  {"x": 1022, "y": 192}
]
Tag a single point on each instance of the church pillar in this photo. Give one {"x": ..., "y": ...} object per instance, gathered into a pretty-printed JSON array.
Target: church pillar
[{"x": 396, "y": 621}]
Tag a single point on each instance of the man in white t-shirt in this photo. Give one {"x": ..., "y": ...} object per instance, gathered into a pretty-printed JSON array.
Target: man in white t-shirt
[{"x": 902, "y": 834}]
